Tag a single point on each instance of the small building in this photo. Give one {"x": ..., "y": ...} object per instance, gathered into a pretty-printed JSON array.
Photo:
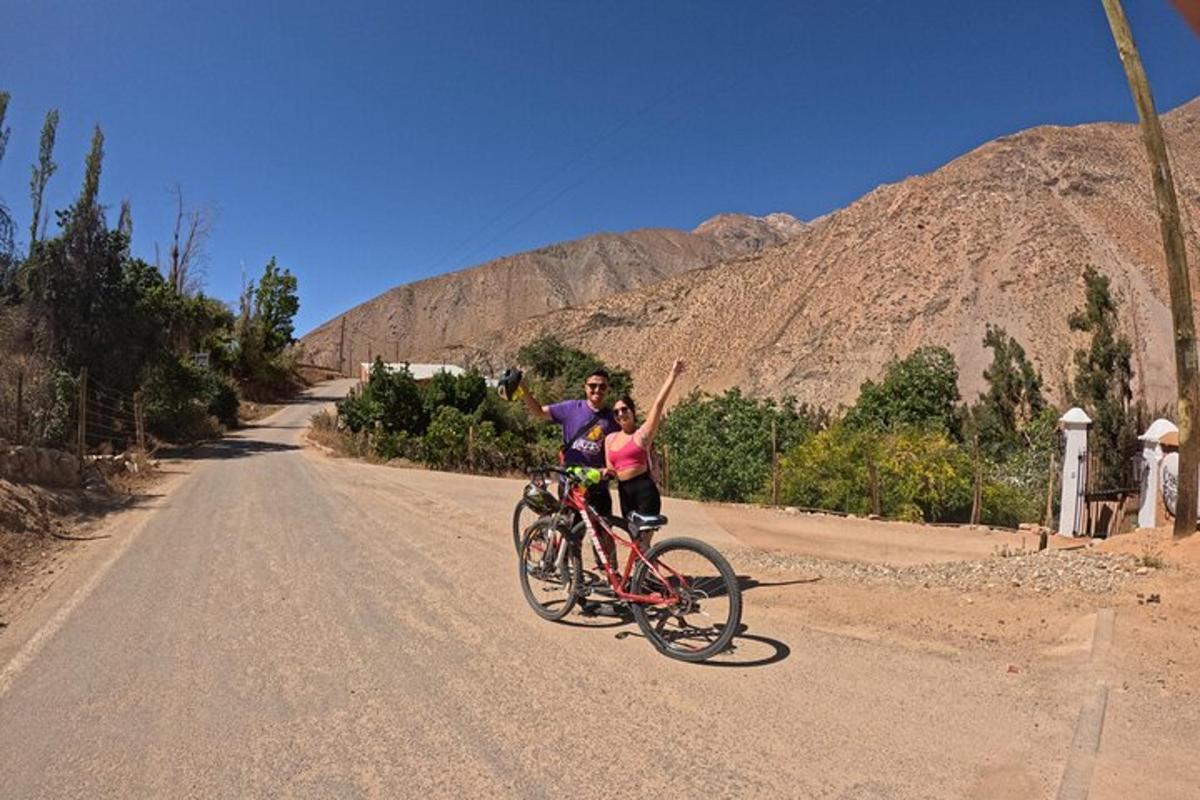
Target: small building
[{"x": 422, "y": 373}]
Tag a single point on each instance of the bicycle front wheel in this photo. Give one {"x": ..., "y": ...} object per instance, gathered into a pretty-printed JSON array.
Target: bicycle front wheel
[
  {"x": 702, "y": 608},
  {"x": 549, "y": 570},
  {"x": 523, "y": 518}
]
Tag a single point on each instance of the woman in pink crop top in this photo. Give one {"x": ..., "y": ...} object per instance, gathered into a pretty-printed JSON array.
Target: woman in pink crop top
[{"x": 626, "y": 451}]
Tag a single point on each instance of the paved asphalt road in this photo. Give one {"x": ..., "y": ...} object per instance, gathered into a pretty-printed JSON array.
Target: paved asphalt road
[{"x": 290, "y": 625}]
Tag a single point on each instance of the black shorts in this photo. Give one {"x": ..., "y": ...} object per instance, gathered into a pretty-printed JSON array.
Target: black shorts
[
  {"x": 639, "y": 494},
  {"x": 600, "y": 498}
]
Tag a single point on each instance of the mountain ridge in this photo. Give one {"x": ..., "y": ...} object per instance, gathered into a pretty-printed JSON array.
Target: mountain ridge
[
  {"x": 999, "y": 235},
  {"x": 415, "y": 321}
]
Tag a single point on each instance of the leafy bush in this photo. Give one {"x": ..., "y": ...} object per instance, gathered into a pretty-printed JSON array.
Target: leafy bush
[
  {"x": 562, "y": 370},
  {"x": 922, "y": 475},
  {"x": 391, "y": 401},
  {"x": 222, "y": 396},
  {"x": 720, "y": 445},
  {"x": 828, "y": 471},
  {"x": 919, "y": 391},
  {"x": 1007, "y": 505},
  {"x": 445, "y": 442},
  {"x": 176, "y": 398}
]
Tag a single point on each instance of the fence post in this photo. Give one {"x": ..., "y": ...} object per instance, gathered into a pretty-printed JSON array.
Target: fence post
[
  {"x": 20, "y": 404},
  {"x": 139, "y": 421},
  {"x": 873, "y": 479},
  {"x": 471, "y": 448},
  {"x": 82, "y": 413},
  {"x": 1048, "y": 515},
  {"x": 774, "y": 464}
]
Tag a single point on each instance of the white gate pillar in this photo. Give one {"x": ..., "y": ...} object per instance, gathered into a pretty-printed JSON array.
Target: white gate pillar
[
  {"x": 1152, "y": 457},
  {"x": 1074, "y": 425}
]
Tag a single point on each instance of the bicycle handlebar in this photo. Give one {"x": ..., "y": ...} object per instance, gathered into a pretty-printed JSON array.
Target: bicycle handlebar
[{"x": 582, "y": 476}]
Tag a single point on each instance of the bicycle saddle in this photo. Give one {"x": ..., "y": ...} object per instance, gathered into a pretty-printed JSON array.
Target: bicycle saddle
[{"x": 643, "y": 521}]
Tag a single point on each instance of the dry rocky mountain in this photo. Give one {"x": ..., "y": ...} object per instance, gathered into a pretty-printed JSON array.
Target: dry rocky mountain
[
  {"x": 418, "y": 321},
  {"x": 1000, "y": 235}
]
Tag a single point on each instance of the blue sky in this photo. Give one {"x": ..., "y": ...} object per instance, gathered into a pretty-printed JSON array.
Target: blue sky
[{"x": 367, "y": 145}]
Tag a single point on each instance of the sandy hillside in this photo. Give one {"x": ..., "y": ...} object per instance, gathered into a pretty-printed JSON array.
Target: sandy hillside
[
  {"x": 1000, "y": 235},
  {"x": 416, "y": 321}
]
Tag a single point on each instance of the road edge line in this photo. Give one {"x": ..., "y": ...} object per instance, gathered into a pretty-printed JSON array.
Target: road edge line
[{"x": 46, "y": 631}]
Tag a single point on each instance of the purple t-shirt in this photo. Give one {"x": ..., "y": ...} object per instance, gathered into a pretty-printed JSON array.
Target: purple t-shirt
[{"x": 587, "y": 449}]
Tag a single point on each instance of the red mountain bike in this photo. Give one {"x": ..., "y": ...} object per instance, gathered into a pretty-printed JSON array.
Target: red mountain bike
[{"x": 682, "y": 592}]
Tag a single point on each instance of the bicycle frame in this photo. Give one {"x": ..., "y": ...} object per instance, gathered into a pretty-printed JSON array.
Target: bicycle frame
[{"x": 594, "y": 523}]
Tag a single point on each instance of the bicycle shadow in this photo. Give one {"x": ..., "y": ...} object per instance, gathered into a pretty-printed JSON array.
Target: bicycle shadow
[{"x": 745, "y": 651}]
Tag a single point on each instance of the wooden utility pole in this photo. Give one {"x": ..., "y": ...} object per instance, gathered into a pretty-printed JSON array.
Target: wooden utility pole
[
  {"x": 342, "y": 348},
  {"x": 1187, "y": 370},
  {"x": 82, "y": 414}
]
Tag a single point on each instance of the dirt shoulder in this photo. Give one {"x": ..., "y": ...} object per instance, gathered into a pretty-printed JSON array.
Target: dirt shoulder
[{"x": 42, "y": 528}]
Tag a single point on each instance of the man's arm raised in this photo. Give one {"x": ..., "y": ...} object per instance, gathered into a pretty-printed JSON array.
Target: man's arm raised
[{"x": 537, "y": 409}]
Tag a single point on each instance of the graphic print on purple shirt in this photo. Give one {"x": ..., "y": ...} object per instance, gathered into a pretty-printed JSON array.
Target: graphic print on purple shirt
[{"x": 587, "y": 450}]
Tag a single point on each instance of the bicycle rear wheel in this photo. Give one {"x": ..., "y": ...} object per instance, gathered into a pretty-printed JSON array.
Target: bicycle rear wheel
[
  {"x": 549, "y": 570},
  {"x": 706, "y": 609}
]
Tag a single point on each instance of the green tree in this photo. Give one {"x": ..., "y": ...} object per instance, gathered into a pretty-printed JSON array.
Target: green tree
[
  {"x": 1103, "y": 378},
  {"x": 42, "y": 171},
  {"x": 391, "y": 401},
  {"x": 276, "y": 302},
  {"x": 1014, "y": 388},
  {"x": 918, "y": 391},
  {"x": 465, "y": 392},
  {"x": 720, "y": 445},
  {"x": 7, "y": 227},
  {"x": 562, "y": 370}
]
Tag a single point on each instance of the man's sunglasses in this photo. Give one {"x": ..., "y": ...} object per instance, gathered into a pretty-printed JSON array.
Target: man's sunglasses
[{"x": 598, "y": 387}]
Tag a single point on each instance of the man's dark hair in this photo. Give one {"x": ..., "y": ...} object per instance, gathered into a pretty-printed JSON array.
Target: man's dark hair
[{"x": 599, "y": 372}]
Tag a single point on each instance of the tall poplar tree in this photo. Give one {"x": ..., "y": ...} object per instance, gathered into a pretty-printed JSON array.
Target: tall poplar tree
[{"x": 41, "y": 176}]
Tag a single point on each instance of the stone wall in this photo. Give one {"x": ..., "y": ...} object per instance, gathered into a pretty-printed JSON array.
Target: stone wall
[{"x": 39, "y": 465}]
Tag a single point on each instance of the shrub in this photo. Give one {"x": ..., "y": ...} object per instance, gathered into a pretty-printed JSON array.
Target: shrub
[
  {"x": 223, "y": 402},
  {"x": 178, "y": 397},
  {"x": 445, "y": 443},
  {"x": 828, "y": 471},
  {"x": 1008, "y": 505},
  {"x": 918, "y": 391},
  {"x": 720, "y": 445},
  {"x": 922, "y": 475},
  {"x": 563, "y": 369}
]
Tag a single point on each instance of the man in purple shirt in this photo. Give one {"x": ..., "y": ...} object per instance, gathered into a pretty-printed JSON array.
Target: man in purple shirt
[{"x": 585, "y": 423}]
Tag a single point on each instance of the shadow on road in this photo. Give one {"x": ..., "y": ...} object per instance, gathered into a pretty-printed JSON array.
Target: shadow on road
[
  {"x": 746, "y": 583},
  {"x": 746, "y": 649},
  {"x": 230, "y": 448}
]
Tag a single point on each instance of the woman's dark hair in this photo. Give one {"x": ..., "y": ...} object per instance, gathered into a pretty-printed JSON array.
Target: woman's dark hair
[{"x": 627, "y": 400}]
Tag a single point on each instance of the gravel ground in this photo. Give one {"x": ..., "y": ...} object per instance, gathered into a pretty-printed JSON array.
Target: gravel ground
[{"x": 1047, "y": 571}]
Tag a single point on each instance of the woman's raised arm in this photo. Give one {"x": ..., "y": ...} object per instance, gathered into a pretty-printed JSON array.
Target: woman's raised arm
[{"x": 650, "y": 426}]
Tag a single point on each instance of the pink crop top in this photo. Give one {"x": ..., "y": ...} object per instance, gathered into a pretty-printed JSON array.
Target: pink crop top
[{"x": 629, "y": 455}]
